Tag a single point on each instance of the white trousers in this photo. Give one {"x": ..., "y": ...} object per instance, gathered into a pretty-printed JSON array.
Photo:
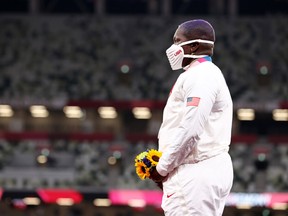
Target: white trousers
[{"x": 198, "y": 189}]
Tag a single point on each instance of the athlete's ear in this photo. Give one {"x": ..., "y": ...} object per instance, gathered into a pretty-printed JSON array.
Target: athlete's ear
[{"x": 194, "y": 47}]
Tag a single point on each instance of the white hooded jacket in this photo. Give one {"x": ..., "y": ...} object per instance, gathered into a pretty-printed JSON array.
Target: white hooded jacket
[{"x": 197, "y": 118}]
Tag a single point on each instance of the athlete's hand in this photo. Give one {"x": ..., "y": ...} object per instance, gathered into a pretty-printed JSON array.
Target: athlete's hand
[{"x": 155, "y": 176}]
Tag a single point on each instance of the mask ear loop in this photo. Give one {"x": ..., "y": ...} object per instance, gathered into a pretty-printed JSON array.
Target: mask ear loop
[
  {"x": 193, "y": 41},
  {"x": 196, "y": 40}
]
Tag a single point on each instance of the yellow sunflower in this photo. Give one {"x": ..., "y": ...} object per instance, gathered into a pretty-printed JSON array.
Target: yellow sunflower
[
  {"x": 153, "y": 156},
  {"x": 141, "y": 156},
  {"x": 141, "y": 170}
]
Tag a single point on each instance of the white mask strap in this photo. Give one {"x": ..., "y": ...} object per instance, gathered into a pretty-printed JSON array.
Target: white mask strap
[
  {"x": 194, "y": 56},
  {"x": 193, "y": 41},
  {"x": 197, "y": 40}
]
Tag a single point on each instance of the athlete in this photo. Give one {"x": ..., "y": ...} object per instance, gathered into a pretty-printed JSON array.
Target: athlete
[{"x": 195, "y": 168}]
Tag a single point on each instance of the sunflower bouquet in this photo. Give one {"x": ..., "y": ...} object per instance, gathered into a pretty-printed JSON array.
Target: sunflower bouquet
[{"x": 145, "y": 161}]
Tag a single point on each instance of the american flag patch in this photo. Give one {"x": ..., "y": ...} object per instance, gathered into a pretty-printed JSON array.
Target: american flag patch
[{"x": 193, "y": 101}]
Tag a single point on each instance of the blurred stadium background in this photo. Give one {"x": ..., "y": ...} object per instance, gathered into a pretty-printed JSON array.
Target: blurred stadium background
[{"x": 82, "y": 88}]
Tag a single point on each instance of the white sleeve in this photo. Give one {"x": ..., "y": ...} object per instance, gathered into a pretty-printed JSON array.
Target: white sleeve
[{"x": 192, "y": 123}]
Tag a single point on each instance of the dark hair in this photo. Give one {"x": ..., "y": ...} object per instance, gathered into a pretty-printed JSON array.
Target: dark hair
[{"x": 198, "y": 29}]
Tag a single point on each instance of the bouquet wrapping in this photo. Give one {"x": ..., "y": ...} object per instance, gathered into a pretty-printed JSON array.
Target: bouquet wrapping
[{"x": 146, "y": 161}]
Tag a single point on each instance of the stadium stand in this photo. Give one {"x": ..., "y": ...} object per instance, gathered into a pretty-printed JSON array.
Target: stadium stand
[{"x": 64, "y": 58}]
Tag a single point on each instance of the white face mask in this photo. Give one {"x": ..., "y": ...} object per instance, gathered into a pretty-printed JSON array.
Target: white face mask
[{"x": 175, "y": 53}]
